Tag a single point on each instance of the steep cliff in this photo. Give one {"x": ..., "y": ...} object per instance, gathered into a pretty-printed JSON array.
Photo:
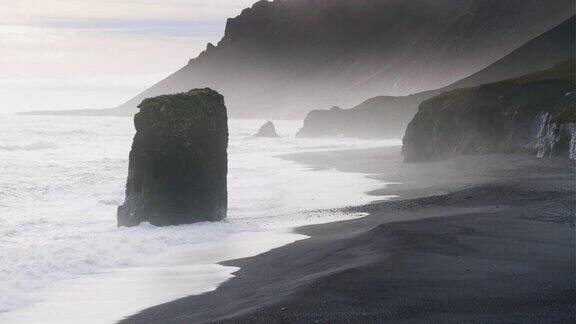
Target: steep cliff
[
  {"x": 280, "y": 58},
  {"x": 178, "y": 162},
  {"x": 534, "y": 113},
  {"x": 388, "y": 116}
]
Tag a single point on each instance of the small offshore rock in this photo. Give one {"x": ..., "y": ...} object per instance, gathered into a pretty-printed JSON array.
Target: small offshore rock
[{"x": 267, "y": 130}]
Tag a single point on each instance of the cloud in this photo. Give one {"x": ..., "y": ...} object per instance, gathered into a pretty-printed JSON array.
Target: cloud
[
  {"x": 62, "y": 66},
  {"x": 60, "y": 54},
  {"x": 170, "y": 28},
  {"x": 22, "y": 11}
]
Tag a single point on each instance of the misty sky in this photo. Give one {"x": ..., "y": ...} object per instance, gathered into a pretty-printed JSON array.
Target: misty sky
[{"x": 71, "y": 54}]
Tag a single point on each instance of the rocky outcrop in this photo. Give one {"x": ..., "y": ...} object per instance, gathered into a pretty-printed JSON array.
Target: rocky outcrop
[
  {"x": 388, "y": 116},
  {"x": 178, "y": 162},
  {"x": 320, "y": 123},
  {"x": 379, "y": 117},
  {"x": 267, "y": 130},
  {"x": 534, "y": 113}
]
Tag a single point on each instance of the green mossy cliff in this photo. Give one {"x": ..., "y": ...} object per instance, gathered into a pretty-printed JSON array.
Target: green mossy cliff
[{"x": 533, "y": 113}]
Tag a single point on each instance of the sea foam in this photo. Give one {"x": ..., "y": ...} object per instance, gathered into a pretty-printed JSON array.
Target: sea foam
[{"x": 58, "y": 201}]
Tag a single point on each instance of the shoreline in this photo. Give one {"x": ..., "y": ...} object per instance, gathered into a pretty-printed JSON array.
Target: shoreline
[
  {"x": 482, "y": 238},
  {"x": 125, "y": 291},
  {"x": 107, "y": 295},
  {"x": 64, "y": 185}
]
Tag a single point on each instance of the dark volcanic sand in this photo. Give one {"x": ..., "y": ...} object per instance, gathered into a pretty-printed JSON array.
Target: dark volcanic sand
[{"x": 474, "y": 239}]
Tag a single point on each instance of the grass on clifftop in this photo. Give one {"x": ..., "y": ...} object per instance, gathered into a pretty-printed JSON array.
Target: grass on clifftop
[{"x": 564, "y": 71}]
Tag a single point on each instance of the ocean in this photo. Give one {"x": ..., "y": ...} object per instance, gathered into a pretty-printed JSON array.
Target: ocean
[{"x": 62, "y": 178}]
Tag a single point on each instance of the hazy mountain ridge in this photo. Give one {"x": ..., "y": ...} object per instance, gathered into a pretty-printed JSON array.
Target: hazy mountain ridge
[
  {"x": 282, "y": 58},
  {"x": 388, "y": 116},
  {"x": 541, "y": 53}
]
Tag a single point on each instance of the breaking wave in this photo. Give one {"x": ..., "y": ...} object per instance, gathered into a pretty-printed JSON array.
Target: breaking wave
[{"x": 29, "y": 147}]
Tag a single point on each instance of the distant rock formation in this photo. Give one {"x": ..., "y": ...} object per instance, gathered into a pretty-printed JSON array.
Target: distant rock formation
[
  {"x": 386, "y": 116},
  {"x": 379, "y": 117},
  {"x": 267, "y": 130},
  {"x": 178, "y": 162},
  {"x": 534, "y": 113},
  {"x": 319, "y": 123}
]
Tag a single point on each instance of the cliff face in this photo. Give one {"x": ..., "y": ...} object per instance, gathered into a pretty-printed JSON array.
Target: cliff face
[
  {"x": 554, "y": 137},
  {"x": 178, "y": 162},
  {"x": 280, "y": 58},
  {"x": 534, "y": 113},
  {"x": 388, "y": 116}
]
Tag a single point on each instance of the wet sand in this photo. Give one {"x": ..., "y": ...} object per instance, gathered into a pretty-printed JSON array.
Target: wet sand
[{"x": 472, "y": 239}]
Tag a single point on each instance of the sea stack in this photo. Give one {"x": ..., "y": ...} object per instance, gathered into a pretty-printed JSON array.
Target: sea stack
[
  {"x": 178, "y": 162},
  {"x": 267, "y": 130}
]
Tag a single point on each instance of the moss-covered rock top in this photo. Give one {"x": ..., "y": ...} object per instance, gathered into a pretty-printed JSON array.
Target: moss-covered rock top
[{"x": 183, "y": 100}]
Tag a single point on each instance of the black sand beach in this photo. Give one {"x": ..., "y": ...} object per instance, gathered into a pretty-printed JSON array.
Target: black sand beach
[{"x": 472, "y": 239}]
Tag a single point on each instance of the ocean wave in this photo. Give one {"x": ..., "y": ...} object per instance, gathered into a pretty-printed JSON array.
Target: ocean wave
[
  {"x": 62, "y": 132},
  {"x": 29, "y": 147},
  {"x": 91, "y": 247},
  {"x": 59, "y": 220},
  {"x": 111, "y": 202}
]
